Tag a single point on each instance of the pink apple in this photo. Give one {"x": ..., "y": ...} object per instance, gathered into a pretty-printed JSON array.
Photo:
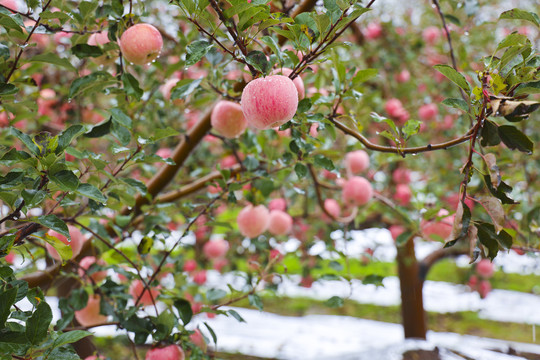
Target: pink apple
[
  {"x": 97, "y": 39},
  {"x": 403, "y": 76},
  {"x": 275, "y": 254},
  {"x": 403, "y": 194},
  {"x": 89, "y": 315},
  {"x": 198, "y": 339},
  {"x": 200, "y": 277},
  {"x": 10, "y": 4},
  {"x": 396, "y": 230},
  {"x": 85, "y": 264},
  {"x": 171, "y": 352},
  {"x": 332, "y": 207},
  {"x": 428, "y": 112},
  {"x": 441, "y": 228},
  {"x": 137, "y": 287},
  {"x": 357, "y": 191},
  {"x": 166, "y": 89},
  {"x": 473, "y": 282},
  {"x": 216, "y": 248},
  {"x": 141, "y": 44},
  {"x": 76, "y": 243},
  {"x": 401, "y": 176},
  {"x": 220, "y": 263},
  {"x": 394, "y": 108},
  {"x": 484, "y": 288},
  {"x": 431, "y": 34},
  {"x": 164, "y": 153},
  {"x": 277, "y": 204},
  {"x": 298, "y": 82},
  {"x": 485, "y": 268},
  {"x": 279, "y": 223},
  {"x": 356, "y": 162},
  {"x": 228, "y": 119},
  {"x": 253, "y": 220},
  {"x": 10, "y": 258},
  {"x": 269, "y": 102},
  {"x": 373, "y": 31}
]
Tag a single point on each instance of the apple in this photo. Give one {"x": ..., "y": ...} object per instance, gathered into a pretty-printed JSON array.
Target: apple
[
  {"x": 403, "y": 194},
  {"x": 431, "y": 34},
  {"x": 401, "y": 176},
  {"x": 199, "y": 277},
  {"x": 373, "y": 31},
  {"x": 484, "y": 288},
  {"x": 216, "y": 248},
  {"x": 86, "y": 262},
  {"x": 356, "y": 162},
  {"x": 97, "y": 39},
  {"x": 357, "y": 191},
  {"x": 198, "y": 339},
  {"x": 441, "y": 228},
  {"x": 279, "y": 223},
  {"x": 428, "y": 112},
  {"x": 253, "y": 220},
  {"x": 485, "y": 268},
  {"x": 89, "y": 315},
  {"x": 395, "y": 231},
  {"x": 228, "y": 119},
  {"x": 403, "y": 76},
  {"x": 332, "y": 207},
  {"x": 76, "y": 243},
  {"x": 171, "y": 352},
  {"x": 298, "y": 82},
  {"x": 277, "y": 204},
  {"x": 141, "y": 44},
  {"x": 137, "y": 287},
  {"x": 269, "y": 102}
]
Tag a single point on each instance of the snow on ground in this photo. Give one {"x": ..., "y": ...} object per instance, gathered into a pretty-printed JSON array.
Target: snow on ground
[{"x": 326, "y": 337}]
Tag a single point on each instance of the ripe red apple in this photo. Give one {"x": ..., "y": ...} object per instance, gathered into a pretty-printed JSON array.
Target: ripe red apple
[
  {"x": 485, "y": 268},
  {"x": 396, "y": 230},
  {"x": 403, "y": 194},
  {"x": 200, "y": 277},
  {"x": 10, "y": 4},
  {"x": 401, "y": 176},
  {"x": 10, "y": 258},
  {"x": 356, "y": 162},
  {"x": 332, "y": 207},
  {"x": 279, "y": 223},
  {"x": 484, "y": 288},
  {"x": 373, "y": 31},
  {"x": 277, "y": 204},
  {"x": 198, "y": 339},
  {"x": 269, "y": 102},
  {"x": 89, "y": 315},
  {"x": 357, "y": 191},
  {"x": 171, "y": 352},
  {"x": 428, "y": 112},
  {"x": 228, "y": 119},
  {"x": 403, "y": 76},
  {"x": 253, "y": 220},
  {"x": 473, "y": 282},
  {"x": 85, "y": 264},
  {"x": 137, "y": 287},
  {"x": 216, "y": 248},
  {"x": 100, "y": 38},
  {"x": 298, "y": 82},
  {"x": 77, "y": 240},
  {"x": 431, "y": 34},
  {"x": 141, "y": 44},
  {"x": 441, "y": 228}
]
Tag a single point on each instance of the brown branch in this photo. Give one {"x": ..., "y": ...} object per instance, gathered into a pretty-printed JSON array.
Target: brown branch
[
  {"x": 397, "y": 150},
  {"x": 437, "y": 255}
]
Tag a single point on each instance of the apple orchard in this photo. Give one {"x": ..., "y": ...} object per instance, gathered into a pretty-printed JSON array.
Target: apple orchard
[{"x": 146, "y": 143}]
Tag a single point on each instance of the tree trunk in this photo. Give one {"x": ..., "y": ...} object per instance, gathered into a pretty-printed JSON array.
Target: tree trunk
[{"x": 412, "y": 304}]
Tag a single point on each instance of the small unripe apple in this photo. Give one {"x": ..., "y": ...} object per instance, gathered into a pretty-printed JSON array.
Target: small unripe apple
[
  {"x": 356, "y": 162},
  {"x": 216, "y": 248},
  {"x": 141, "y": 44},
  {"x": 228, "y": 119},
  {"x": 137, "y": 287},
  {"x": 298, "y": 82},
  {"x": 85, "y": 264},
  {"x": 269, "y": 102},
  {"x": 277, "y": 204},
  {"x": 253, "y": 220},
  {"x": 89, "y": 315},
  {"x": 280, "y": 223},
  {"x": 357, "y": 191},
  {"x": 428, "y": 112},
  {"x": 485, "y": 268},
  {"x": 76, "y": 243},
  {"x": 171, "y": 352}
]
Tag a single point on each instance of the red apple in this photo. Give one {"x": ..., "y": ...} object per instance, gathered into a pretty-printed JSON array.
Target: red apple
[
  {"x": 356, "y": 162},
  {"x": 298, "y": 82},
  {"x": 485, "y": 268},
  {"x": 171, "y": 352},
  {"x": 280, "y": 223},
  {"x": 357, "y": 191},
  {"x": 428, "y": 112},
  {"x": 228, "y": 119},
  {"x": 85, "y": 264},
  {"x": 89, "y": 315},
  {"x": 277, "y": 204},
  {"x": 76, "y": 243},
  {"x": 141, "y": 44},
  {"x": 137, "y": 287},
  {"x": 216, "y": 248},
  {"x": 253, "y": 220}
]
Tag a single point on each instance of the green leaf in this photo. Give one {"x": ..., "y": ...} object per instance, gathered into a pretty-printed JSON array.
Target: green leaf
[
  {"x": 456, "y": 103},
  {"x": 515, "y": 139},
  {"x": 145, "y": 245},
  {"x": 454, "y": 76},
  {"x": 411, "y": 127},
  {"x": 63, "y": 250},
  {"x": 184, "y": 310},
  {"x": 120, "y": 117},
  {"x": 518, "y": 14},
  {"x": 84, "y": 50},
  {"x": 301, "y": 170},
  {"x": 53, "y": 222},
  {"x": 91, "y": 192},
  {"x": 38, "y": 324},
  {"x": 100, "y": 129},
  {"x": 215, "y": 294},
  {"x": 4, "y": 52},
  {"x": 7, "y": 298},
  {"x": 121, "y": 133},
  {"x": 373, "y": 279},
  {"x": 490, "y": 134},
  {"x": 184, "y": 88},
  {"x": 67, "y": 136},
  {"x": 54, "y": 59},
  {"x": 66, "y": 180},
  {"x": 334, "y": 302},
  {"x": 131, "y": 86},
  {"x": 236, "y": 315},
  {"x": 264, "y": 185},
  {"x": 255, "y": 300},
  {"x": 363, "y": 76},
  {"x": 26, "y": 140},
  {"x": 324, "y": 162},
  {"x": 532, "y": 87},
  {"x": 8, "y": 89},
  {"x": 212, "y": 333},
  {"x": 500, "y": 192},
  {"x": 196, "y": 50},
  {"x": 13, "y": 342},
  {"x": 33, "y": 197},
  {"x": 94, "y": 82},
  {"x": 258, "y": 60},
  {"x": 70, "y": 337}
]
